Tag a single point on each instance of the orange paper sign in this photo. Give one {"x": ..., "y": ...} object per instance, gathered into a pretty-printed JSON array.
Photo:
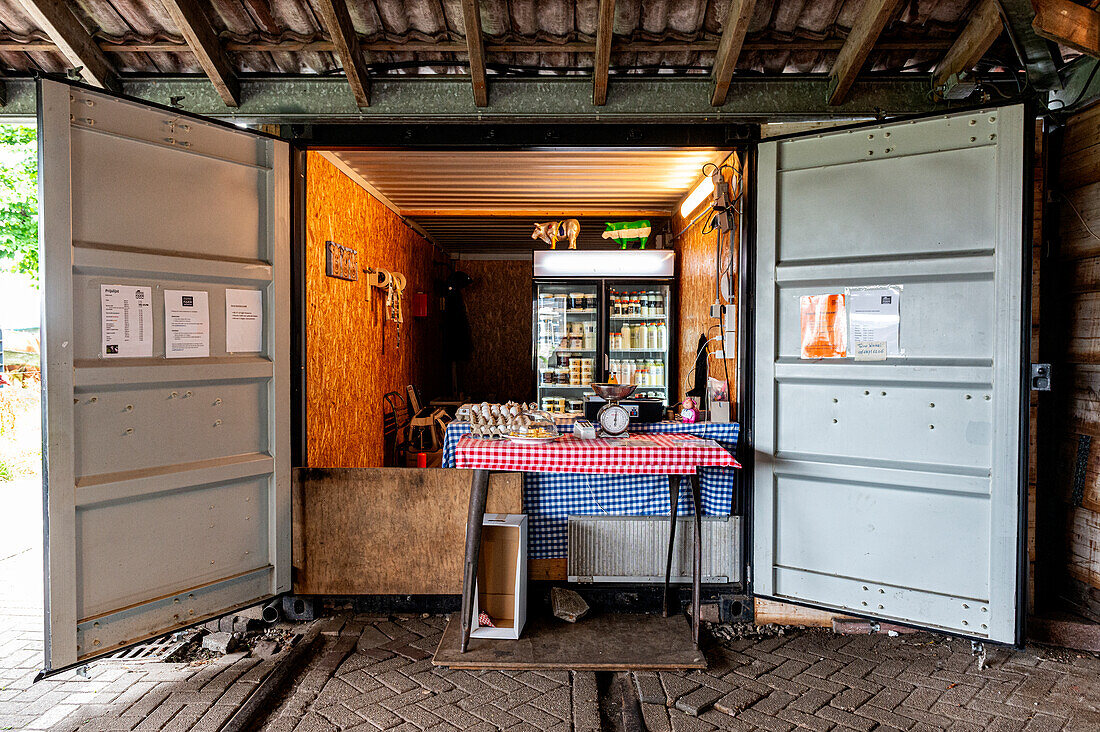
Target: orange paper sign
[{"x": 824, "y": 326}]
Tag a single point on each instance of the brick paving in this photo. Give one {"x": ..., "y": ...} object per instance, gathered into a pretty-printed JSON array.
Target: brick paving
[{"x": 375, "y": 674}]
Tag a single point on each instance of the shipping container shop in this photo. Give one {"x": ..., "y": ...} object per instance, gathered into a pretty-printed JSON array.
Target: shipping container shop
[{"x": 650, "y": 370}]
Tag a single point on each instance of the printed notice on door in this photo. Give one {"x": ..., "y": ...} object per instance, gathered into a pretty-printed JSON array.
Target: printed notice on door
[
  {"x": 874, "y": 317},
  {"x": 824, "y": 326},
  {"x": 186, "y": 324},
  {"x": 127, "y": 321},
  {"x": 244, "y": 321}
]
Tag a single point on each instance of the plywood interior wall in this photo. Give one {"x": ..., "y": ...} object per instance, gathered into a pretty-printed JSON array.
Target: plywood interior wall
[
  {"x": 347, "y": 368},
  {"x": 1071, "y": 505},
  {"x": 695, "y": 260},
  {"x": 498, "y": 306}
]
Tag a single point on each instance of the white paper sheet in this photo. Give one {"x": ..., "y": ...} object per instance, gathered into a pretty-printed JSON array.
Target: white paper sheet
[
  {"x": 127, "y": 313},
  {"x": 874, "y": 317},
  {"x": 244, "y": 321},
  {"x": 186, "y": 324}
]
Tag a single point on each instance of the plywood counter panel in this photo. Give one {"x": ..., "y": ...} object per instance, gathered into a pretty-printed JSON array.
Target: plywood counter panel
[{"x": 387, "y": 531}]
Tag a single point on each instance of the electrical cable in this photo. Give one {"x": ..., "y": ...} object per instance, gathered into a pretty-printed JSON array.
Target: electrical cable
[{"x": 1082, "y": 218}]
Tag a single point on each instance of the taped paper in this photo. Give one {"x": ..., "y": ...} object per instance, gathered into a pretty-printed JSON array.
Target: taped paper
[
  {"x": 824, "y": 326},
  {"x": 875, "y": 317}
]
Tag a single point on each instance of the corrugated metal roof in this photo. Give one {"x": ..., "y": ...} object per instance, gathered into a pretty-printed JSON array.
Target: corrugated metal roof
[
  {"x": 578, "y": 180},
  {"x": 463, "y": 199},
  {"x": 427, "y": 36},
  {"x": 465, "y": 234}
]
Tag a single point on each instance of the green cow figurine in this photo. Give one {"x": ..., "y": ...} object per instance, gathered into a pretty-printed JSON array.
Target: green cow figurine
[{"x": 628, "y": 232}]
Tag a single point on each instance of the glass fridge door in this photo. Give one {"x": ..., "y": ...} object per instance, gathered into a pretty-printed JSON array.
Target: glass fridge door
[
  {"x": 640, "y": 337},
  {"x": 566, "y": 343}
]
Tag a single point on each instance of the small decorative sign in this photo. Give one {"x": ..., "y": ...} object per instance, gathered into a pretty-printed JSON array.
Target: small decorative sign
[{"x": 341, "y": 262}]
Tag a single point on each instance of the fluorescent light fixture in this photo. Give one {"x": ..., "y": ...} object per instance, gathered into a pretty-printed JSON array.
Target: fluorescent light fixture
[
  {"x": 596, "y": 263},
  {"x": 704, "y": 189}
]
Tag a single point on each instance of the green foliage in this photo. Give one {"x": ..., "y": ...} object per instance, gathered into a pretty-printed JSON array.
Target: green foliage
[{"x": 19, "y": 198}]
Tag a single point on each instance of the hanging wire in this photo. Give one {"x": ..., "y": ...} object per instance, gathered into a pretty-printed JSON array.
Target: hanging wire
[{"x": 1082, "y": 218}]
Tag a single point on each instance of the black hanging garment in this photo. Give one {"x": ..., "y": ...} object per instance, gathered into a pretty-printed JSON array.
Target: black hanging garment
[
  {"x": 456, "y": 327},
  {"x": 699, "y": 387}
]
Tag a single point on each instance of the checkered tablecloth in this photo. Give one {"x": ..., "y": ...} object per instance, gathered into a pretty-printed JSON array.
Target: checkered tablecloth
[
  {"x": 657, "y": 454},
  {"x": 549, "y": 498}
]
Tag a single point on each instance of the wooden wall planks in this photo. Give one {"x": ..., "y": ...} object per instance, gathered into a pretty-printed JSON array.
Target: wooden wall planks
[
  {"x": 695, "y": 262},
  {"x": 498, "y": 305},
  {"x": 1074, "y": 500},
  {"x": 347, "y": 370}
]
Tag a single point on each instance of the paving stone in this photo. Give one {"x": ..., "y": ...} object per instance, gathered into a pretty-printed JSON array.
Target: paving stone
[
  {"x": 586, "y": 710},
  {"x": 676, "y": 685},
  {"x": 567, "y": 604},
  {"x": 650, "y": 690},
  {"x": 737, "y": 700},
  {"x": 698, "y": 701},
  {"x": 655, "y": 717}
]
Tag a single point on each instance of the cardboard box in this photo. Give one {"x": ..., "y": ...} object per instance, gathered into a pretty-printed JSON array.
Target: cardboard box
[{"x": 501, "y": 589}]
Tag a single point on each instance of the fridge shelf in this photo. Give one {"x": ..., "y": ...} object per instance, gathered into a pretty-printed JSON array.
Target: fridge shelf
[
  {"x": 638, "y": 317},
  {"x": 638, "y": 350}
]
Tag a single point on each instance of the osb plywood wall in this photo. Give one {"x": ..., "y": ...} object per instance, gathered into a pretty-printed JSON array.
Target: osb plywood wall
[
  {"x": 695, "y": 259},
  {"x": 498, "y": 306},
  {"x": 347, "y": 370},
  {"x": 1076, "y": 396}
]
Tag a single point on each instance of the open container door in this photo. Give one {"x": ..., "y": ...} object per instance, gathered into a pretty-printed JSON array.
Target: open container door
[
  {"x": 166, "y": 480},
  {"x": 892, "y": 489}
]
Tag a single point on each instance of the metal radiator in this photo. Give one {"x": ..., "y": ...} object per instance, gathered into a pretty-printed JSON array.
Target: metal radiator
[{"x": 633, "y": 549}]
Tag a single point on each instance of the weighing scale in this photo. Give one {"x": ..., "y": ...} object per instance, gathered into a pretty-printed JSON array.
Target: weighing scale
[{"x": 613, "y": 418}]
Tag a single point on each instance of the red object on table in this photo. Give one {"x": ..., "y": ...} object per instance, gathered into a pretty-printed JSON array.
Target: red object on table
[
  {"x": 421, "y": 460},
  {"x": 653, "y": 454}
]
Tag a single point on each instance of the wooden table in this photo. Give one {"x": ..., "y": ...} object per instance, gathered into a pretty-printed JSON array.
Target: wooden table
[{"x": 676, "y": 456}]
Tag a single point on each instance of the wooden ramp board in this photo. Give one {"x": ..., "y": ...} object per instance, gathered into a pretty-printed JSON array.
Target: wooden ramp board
[{"x": 602, "y": 642}]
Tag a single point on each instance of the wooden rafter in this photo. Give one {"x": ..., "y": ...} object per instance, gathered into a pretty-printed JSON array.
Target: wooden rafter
[
  {"x": 337, "y": 23},
  {"x": 73, "y": 41},
  {"x": 857, "y": 47},
  {"x": 601, "y": 63},
  {"x": 325, "y": 46},
  {"x": 729, "y": 48},
  {"x": 203, "y": 41},
  {"x": 475, "y": 47},
  {"x": 976, "y": 38},
  {"x": 1068, "y": 23}
]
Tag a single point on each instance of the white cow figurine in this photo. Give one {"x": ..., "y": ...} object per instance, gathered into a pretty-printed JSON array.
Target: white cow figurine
[{"x": 553, "y": 231}]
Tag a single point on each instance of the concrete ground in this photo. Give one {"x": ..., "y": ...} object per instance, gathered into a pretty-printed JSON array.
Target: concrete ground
[{"x": 375, "y": 673}]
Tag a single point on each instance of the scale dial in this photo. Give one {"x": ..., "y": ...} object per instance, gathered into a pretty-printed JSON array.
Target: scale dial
[{"x": 614, "y": 419}]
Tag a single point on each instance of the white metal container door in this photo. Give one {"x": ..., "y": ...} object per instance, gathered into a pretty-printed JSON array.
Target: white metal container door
[
  {"x": 166, "y": 480},
  {"x": 892, "y": 488}
]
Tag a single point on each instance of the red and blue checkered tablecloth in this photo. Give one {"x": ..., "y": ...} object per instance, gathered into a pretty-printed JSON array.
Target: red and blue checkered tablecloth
[
  {"x": 650, "y": 454},
  {"x": 550, "y": 498}
]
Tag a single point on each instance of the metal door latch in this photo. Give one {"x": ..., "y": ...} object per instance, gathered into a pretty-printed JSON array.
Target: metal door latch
[{"x": 1040, "y": 377}]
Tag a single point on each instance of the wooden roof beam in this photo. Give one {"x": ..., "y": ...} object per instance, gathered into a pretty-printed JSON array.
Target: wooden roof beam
[
  {"x": 73, "y": 41},
  {"x": 1068, "y": 23},
  {"x": 337, "y": 23},
  {"x": 475, "y": 47},
  {"x": 857, "y": 47},
  {"x": 202, "y": 39},
  {"x": 601, "y": 63},
  {"x": 729, "y": 48},
  {"x": 976, "y": 38}
]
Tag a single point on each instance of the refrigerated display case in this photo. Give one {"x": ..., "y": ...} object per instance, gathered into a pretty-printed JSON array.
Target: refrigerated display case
[
  {"x": 592, "y": 328},
  {"x": 639, "y": 336},
  {"x": 567, "y": 330}
]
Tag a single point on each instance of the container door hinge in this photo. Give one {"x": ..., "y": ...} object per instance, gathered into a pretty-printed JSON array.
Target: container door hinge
[{"x": 1040, "y": 376}]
